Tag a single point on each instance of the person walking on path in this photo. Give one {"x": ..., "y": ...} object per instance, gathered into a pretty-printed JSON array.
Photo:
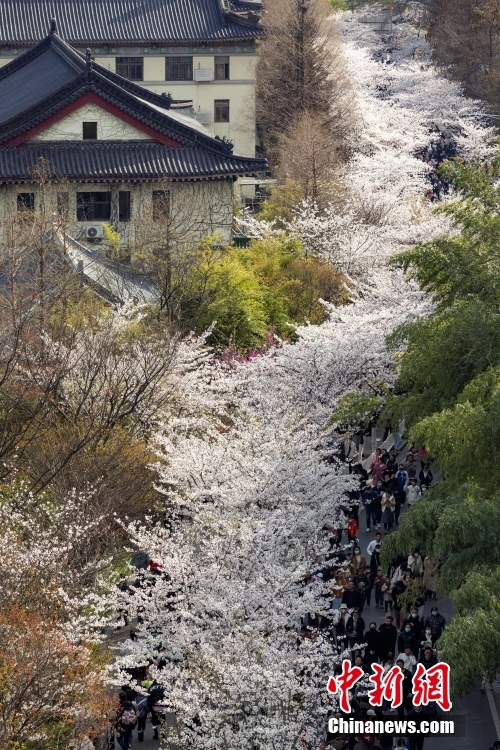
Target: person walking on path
[
  {"x": 413, "y": 492},
  {"x": 415, "y": 563},
  {"x": 370, "y": 500},
  {"x": 417, "y": 624},
  {"x": 431, "y": 568},
  {"x": 436, "y": 623},
  {"x": 378, "y": 582},
  {"x": 402, "y": 476},
  {"x": 143, "y": 708},
  {"x": 425, "y": 477},
  {"x": 126, "y": 721},
  {"x": 338, "y": 587},
  {"x": 371, "y": 547},
  {"x": 408, "y": 639},
  {"x": 375, "y": 561},
  {"x": 387, "y": 592},
  {"x": 388, "y": 638},
  {"x": 352, "y": 597},
  {"x": 372, "y": 639},
  {"x": 388, "y": 504},
  {"x": 397, "y": 591},
  {"x": 357, "y": 561},
  {"x": 352, "y": 530}
]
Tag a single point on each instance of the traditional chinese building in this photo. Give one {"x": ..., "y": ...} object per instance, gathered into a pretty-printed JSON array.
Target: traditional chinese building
[
  {"x": 198, "y": 50},
  {"x": 113, "y": 151}
]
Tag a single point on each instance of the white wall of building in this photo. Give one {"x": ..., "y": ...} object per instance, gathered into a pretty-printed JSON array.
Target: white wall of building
[
  {"x": 198, "y": 209},
  {"x": 109, "y": 127}
]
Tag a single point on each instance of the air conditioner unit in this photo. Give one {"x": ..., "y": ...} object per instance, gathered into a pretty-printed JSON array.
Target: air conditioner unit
[
  {"x": 94, "y": 233},
  {"x": 203, "y": 74},
  {"x": 205, "y": 118}
]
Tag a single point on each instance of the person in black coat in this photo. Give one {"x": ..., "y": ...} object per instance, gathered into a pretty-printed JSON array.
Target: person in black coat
[
  {"x": 355, "y": 627},
  {"x": 388, "y": 637},
  {"x": 375, "y": 561},
  {"x": 372, "y": 648},
  {"x": 428, "y": 659},
  {"x": 397, "y": 591},
  {"x": 407, "y": 690},
  {"x": 364, "y": 583},
  {"x": 417, "y": 714},
  {"x": 400, "y": 497},
  {"x": 352, "y": 597},
  {"x": 156, "y": 694},
  {"x": 407, "y": 639},
  {"x": 416, "y": 622},
  {"x": 425, "y": 476},
  {"x": 360, "y": 471}
]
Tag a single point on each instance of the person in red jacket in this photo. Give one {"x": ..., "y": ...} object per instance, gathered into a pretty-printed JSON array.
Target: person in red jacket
[
  {"x": 352, "y": 530},
  {"x": 367, "y": 741}
]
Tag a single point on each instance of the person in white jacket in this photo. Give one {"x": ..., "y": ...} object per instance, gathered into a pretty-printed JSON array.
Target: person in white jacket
[
  {"x": 371, "y": 547},
  {"x": 409, "y": 660},
  {"x": 412, "y": 492}
]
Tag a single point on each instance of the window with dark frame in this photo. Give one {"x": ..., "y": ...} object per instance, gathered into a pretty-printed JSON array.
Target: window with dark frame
[
  {"x": 130, "y": 67},
  {"x": 222, "y": 68},
  {"x": 89, "y": 131},
  {"x": 94, "y": 206},
  {"x": 221, "y": 107},
  {"x": 179, "y": 68},
  {"x": 63, "y": 205},
  {"x": 161, "y": 204},
  {"x": 25, "y": 201},
  {"x": 124, "y": 205}
]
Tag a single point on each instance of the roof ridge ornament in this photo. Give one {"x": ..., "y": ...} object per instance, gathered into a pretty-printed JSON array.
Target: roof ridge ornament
[
  {"x": 88, "y": 59},
  {"x": 53, "y": 26}
]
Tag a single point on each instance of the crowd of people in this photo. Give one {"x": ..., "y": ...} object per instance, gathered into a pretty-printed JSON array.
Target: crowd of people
[
  {"x": 355, "y": 581},
  {"x": 132, "y": 712},
  {"x": 127, "y": 721}
]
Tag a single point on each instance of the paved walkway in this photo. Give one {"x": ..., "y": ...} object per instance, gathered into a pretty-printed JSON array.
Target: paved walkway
[
  {"x": 480, "y": 726},
  {"x": 114, "y": 639},
  {"x": 479, "y": 723}
]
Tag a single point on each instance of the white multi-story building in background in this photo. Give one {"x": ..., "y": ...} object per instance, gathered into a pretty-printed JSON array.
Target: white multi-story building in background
[{"x": 201, "y": 51}]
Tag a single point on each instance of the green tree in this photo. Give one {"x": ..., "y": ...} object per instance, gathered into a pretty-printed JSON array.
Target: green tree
[
  {"x": 449, "y": 391},
  {"x": 461, "y": 270},
  {"x": 242, "y": 293}
]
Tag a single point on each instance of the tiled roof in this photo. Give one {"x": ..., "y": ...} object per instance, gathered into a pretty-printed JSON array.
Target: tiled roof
[
  {"x": 28, "y": 84},
  {"x": 96, "y": 22},
  {"x": 51, "y": 75},
  {"x": 130, "y": 160}
]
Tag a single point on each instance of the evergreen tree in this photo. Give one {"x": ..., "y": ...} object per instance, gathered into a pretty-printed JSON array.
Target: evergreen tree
[
  {"x": 449, "y": 390},
  {"x": 301, "y": 69}
]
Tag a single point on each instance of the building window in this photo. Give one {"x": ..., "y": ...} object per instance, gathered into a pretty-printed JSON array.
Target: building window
[
  {"x": 124, "y": 205},
  {"x": 179, "y": 68},
  {"x": 25, "y": 201},
  {"x": 161, "y": 205},
  {"x": 89, "y": 131},
  {"x": 221, "y": 107},
  {"x": 130, "y": 67},
  {"x": 63, "y": 205},
  {"x": 93, "y": 206},
  {"x": 222, "y": 68}
]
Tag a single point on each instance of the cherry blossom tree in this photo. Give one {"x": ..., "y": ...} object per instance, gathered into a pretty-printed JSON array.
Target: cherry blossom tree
[
  {"x": 52, "y": 680},
  {"x": 246, "y": 466},
  {"x": 249, "y": 480}
]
